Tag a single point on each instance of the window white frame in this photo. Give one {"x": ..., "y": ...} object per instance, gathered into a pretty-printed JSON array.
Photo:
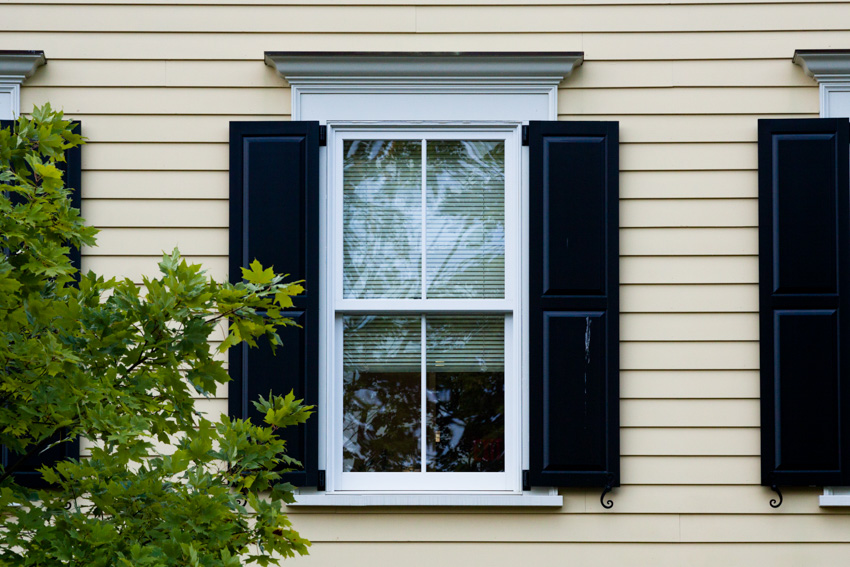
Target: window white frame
[
  {"x": 416, "y": 90},
  {"x": 412, "y": 482}
]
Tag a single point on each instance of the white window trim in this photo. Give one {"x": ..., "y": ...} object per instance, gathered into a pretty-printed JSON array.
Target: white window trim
[
  {"x": 831, "y": 70},
  {"x": 15, "y": 68},
  {"x": 459, "y": 90},
  {"x": 508, "y": 481}
]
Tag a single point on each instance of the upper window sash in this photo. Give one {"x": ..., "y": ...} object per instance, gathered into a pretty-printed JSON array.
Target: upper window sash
[{"x": 507, "y": 133}]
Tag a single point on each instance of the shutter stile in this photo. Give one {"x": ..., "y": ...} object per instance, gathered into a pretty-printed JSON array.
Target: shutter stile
[
  {"x": 574, "y": 308},
  {"x": 804, "y": 219},
  {"x": 274, "y": 218}
]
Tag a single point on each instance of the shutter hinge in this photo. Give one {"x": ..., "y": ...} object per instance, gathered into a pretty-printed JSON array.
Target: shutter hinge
[
  {"x": 526, "y": 484},
  {"x": 320, "y": 481},
  {"x": 323, "y": 135},
  {"x": 525, "y": 135}
]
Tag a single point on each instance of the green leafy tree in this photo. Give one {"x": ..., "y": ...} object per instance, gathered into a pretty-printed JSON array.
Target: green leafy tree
[{"x": 117, "y": 366}]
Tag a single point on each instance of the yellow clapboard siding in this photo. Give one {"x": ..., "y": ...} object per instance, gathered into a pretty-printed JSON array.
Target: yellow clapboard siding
[
  {"x": 636, "y": 157},
  {"x": 254, "y": 73},
  {"x": 151, "y": 157},
  {"x": 688, "y": 184},
  {"x": 688, "y": 241},
  {"x": 689, "y": 355},
  {"x": 291, "y": 19},
  {"x": 602, "y": 46},
  {"x": 689, "y": 213},
  {"x": 707, "y": 500},
  {"x": 155, "y": 185},
  {"x": 684, "y": 269},
  {"x": 208, "y": 156},
  {"x": 156, "y": 213},
  {"x": 134, "y": 267},
  {"x": 689, "y": 441},
  {"x": 638, "y": 74},
  {"x": 171, "y": 101},
  {"x": 689, "y": 327},
  {"x": 687, "y": 298},
  {"x": 697, "y": 45},
  {"x": 185, "y": 128},
  {"x": 333, "y": 554},
  {"x": 675, "y": 384},
  {"x": 723, "y": 100},
  {"x": 690, "y": 470},
  {"x": 678, "y": 128},
  {"x": 616, "y": 18},
  {"x": 465, "y": 527},
  {"x": 428, "y": 554},
  {"x": 833, "y": 527},
  {"x": 689, "y": 413},
  {"x": 149, "y": 241}
]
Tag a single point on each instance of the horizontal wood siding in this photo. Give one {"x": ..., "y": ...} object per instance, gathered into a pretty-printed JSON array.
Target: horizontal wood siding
[{"x": 156, "y": 83}]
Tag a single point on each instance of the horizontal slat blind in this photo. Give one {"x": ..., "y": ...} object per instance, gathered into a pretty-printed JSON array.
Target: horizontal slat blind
[
  {"x": 468, "y": 343},
  {"x": 382, "y": 344},
  {"x": 465, "y": 224},
  {"x": 382, "y": 219}
]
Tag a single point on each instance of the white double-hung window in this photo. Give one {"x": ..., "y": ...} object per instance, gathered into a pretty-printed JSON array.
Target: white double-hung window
[
  {"x": 425, "y": 308},
  {"x": 423, "y": 364}
]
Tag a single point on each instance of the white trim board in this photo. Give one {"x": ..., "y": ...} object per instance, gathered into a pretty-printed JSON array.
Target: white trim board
[
  {"x": 416, "y": 86},
  {"x": 15, "y": 68},
  {"x": 831, "y": 69}
]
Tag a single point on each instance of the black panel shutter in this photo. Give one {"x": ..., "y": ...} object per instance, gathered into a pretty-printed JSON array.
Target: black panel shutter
[
  {"x": 274, "y": 218},
  {"x": 574, "y": 306},
  {"x": 804, "y": 219},
  {"x": 26, "y": 473}
]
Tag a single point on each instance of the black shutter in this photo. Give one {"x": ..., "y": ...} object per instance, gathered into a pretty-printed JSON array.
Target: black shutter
[
  {"x": 27, "y": 474},
  {"x": 274, "y": 218},
  {"x": 804, "y": 219},
  {"x": 574, "y": 307}
]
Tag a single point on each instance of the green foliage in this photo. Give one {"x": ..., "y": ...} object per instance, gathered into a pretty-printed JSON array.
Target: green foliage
[{"x": 117, "y": 366}]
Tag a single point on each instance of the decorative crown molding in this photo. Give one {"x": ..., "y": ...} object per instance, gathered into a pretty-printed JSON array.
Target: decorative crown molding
[
  {"x": 19, "y": 65},
  {"x": 300, "y": 67},
  {"x": 824, "y": 65}
]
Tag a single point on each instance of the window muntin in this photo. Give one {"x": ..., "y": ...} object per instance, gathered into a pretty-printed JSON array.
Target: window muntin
[{"x": 439, "y": 271}]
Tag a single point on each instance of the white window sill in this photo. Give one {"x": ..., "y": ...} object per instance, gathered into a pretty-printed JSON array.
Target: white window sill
[
  {"x": 545, "y": 498},
  {"x": 835, "y": 496}
]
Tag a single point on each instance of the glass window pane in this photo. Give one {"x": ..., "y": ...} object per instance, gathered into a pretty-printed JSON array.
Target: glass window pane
[
  {"x": 465, "y": 221},
  {"x": 382, "y": 370},
  {"x": 382, "y": 219},
  {"x": 465, "y": 365}
]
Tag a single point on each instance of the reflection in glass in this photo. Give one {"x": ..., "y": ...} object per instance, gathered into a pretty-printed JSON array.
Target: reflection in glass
[
  {"x": 382, "y": 219},
  {"x": 382, "y": 369},
  {"x": 465, "y": 393},
  {"x": 465, "y": 222}
]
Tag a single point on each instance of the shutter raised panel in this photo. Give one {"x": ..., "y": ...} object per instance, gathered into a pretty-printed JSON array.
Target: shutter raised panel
[
  {"x": 274, "y": 218},
  {"x": 574, "y": 308},
  {"x": 27, "y": 474},
  {"x": 804, "y": 219}
]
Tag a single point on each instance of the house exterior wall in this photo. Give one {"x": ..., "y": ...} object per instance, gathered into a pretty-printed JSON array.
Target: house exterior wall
[{"x": 156, "y": 83}]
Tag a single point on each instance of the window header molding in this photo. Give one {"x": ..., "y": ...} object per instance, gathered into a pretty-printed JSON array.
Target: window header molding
[
  {"x": 824, "y": 64},
  {"x": 15, "y": 68},
  {"x": 831, "y": 69},
  {"x": 399, "y": 76},
  {"x": 303, "y": 66}
]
